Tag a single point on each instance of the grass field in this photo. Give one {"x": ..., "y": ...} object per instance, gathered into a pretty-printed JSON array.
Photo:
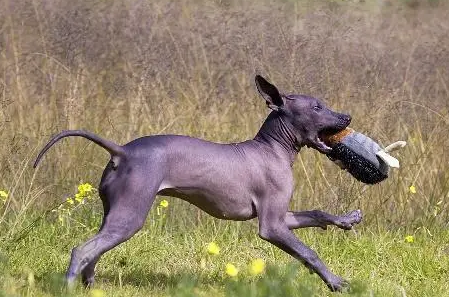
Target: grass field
[
  {"x": 127, "y": 68},
  {"x": 167, "y": 259}
]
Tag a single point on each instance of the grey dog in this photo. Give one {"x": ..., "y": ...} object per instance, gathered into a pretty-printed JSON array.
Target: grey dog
[{"x": 237, "y": 181}]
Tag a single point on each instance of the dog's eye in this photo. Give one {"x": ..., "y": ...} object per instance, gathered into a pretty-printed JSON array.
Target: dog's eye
[{"x": 317, "y": 107}]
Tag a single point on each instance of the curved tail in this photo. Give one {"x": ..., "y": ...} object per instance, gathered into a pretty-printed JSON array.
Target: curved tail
[{"x": 112, "y": 148}]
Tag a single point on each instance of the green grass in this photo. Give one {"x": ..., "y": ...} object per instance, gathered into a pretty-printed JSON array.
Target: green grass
[{"x": 168, "y": 258}]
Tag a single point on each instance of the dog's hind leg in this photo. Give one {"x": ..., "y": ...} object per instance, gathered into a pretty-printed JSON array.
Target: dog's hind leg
[
  {"x": 88, "y": 273},
  {"x": 318, "y": 218},
  {"x": 129, "y": 206}
]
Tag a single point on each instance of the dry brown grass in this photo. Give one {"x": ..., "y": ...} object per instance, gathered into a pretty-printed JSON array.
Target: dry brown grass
[{"x": 128, "y": 68}]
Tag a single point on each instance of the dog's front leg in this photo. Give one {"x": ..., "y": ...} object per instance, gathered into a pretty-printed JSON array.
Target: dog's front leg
[
  {"x": 318, "y": 218},
  {"x": 273, "y": 228}
]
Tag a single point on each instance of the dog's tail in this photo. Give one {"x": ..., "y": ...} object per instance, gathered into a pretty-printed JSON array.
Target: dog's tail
[{"x": 112, "y": 148}]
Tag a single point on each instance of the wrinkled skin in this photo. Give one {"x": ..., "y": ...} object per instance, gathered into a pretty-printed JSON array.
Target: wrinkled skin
[{"x": 309, "y": 117}]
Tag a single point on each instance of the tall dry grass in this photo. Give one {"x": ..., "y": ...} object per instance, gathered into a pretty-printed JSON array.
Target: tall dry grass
[{"x": 127, "y": 68}]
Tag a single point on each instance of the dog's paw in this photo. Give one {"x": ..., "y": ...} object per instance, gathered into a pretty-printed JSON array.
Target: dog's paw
[
  {"x": 338, "y": 284},
  {"x": 88, "y": 282},
  {"x": 350, "y": 219}
]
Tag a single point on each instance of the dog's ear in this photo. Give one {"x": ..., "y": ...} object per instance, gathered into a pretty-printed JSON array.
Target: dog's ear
[{"x": 269, "y": 92}]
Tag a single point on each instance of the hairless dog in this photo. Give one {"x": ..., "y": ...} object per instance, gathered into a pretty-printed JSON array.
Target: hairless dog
[{"x": 237, "y": 181}]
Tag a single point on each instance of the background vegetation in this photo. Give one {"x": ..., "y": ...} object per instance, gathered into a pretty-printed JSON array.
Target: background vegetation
[{"x": 127, "y": 68}]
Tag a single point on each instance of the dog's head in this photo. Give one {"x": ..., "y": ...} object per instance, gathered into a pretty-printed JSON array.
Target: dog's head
[{"x": 308, "y": 116}]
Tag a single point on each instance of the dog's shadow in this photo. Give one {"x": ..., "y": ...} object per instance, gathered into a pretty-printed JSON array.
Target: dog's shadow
[
  {"x": 54, "y": 284},
  {"x": 157, "y": 280}
]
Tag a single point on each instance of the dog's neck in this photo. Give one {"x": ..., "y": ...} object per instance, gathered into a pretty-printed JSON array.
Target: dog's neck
[{"x": 278, "y": 132}]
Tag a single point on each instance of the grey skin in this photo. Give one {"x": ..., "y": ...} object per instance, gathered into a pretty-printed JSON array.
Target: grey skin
[{"x": 237, "y": 181}]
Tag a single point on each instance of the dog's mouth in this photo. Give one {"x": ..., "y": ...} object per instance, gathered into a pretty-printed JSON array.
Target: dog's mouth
[
  {"x": 316, "y": 141},
  {"x": 320, "y": 140}
]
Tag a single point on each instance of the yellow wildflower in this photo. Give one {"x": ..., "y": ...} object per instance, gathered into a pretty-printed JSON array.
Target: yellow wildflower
[
  {"x": 3, "y": 196},
  {"x": 409, "y": 238},
  {"x": 164, "y": 203},
  {"x": 231, "y": 270},
  {"x": 412, "y": 189},
  {"x": 79, "y": 198},
  {"x": 97, "y": 293},
  {"x": 213, "y": 248},
  {"x": 83, "y": 188},
  {"x": 70, "y": 201},
  {"x": 257, "y": 266}
]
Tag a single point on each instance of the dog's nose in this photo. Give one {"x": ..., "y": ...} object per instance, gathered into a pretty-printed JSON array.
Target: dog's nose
[{"x": 348, "y": 119}]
